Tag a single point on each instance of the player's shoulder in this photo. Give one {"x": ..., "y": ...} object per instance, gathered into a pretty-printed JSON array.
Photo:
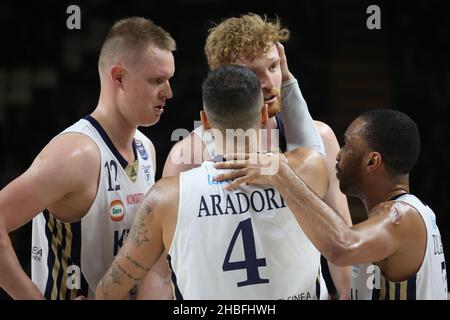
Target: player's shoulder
[
  {"x": 304, "y": 156},
  {"x": 73, "y": 145},
  {"x": 305, "y": 160},
  {"x": 398, "y": 213},
  {"x": 325, "y": 130},
  {"x": 166, "y": 190},
  {"x": 167, "y": 183},
  {"x": 73, "y": 154}
]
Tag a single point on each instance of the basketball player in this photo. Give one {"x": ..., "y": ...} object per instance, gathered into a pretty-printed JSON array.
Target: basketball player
[
  {"x": 397, "y": 252},
  {"x": 85, "y": 186},
  {"x": 224, "y": 245},
  {"x": 255, "y": 42}
]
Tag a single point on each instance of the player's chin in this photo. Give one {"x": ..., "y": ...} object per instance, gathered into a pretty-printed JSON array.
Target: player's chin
[
  {"x": 150, "y": 121},
  {"x": 274, "y": 108}
]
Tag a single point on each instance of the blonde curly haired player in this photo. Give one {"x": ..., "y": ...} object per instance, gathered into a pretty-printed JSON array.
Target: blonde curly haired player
[{"x": 244, "y": 39}]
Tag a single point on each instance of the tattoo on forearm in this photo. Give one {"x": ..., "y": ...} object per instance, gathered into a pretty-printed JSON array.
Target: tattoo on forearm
[
  {"x": 137, "y": 264},
  {"x": 113, "y": 276},
  {"x": 139, "y": 232}
]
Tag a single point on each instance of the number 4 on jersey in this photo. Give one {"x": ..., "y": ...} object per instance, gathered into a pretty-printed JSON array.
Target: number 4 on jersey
[{"x": 251, "y": 262}]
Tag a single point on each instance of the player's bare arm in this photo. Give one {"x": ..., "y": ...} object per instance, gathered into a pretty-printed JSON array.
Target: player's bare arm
[
  {"x": 152, "y": 230},
  {"x": 60, "y": 178},
  {"x": 183, "y": 156},
  {"x": 389, "y": 232},
  {"x": 338, "y": 201}
]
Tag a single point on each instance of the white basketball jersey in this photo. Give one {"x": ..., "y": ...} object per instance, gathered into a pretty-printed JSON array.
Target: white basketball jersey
[
  {"x": 244, "y": 244},
  {"x": 69, "y": 259},
  {"x": 208, "y": 140},
  {"x": 429, "y": 283}
]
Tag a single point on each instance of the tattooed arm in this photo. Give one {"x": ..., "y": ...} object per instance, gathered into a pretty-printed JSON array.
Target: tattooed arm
[{"x": 144, "y": 244}]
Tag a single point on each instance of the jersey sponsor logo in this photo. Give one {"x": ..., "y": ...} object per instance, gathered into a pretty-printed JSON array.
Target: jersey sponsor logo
[
  {"x": 140, "y": 148},
  {"x": 133, "y": 173},
  {"x": 135, "y": 198},
  {"x": 437, "y": 244},
  {"x": 148, "y": 173},
  {"x": 212, "y": 182},
  {"x": 300, "y": 296},
  {"x": 355, "y": 270},
  {"x": 116, "y": 210},
  {"x": 36, "y": 254}
]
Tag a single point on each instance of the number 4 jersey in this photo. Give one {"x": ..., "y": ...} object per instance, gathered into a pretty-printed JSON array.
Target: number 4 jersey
[
  {"x": 244, "y": 244},
  {"x": 68, "y": 259}
]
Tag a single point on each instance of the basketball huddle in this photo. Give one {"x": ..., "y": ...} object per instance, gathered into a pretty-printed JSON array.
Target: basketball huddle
[{"x": 249, "y": 221}]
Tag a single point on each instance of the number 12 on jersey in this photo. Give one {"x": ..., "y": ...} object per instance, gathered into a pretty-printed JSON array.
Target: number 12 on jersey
[{"x": 251, "y": 263}]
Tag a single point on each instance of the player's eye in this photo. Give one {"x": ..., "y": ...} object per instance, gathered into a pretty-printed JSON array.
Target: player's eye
[{"x": 273, "y": 66}]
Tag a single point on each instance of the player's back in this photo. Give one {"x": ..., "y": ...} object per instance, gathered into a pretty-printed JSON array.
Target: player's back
[{"x": 243, "y": 244}]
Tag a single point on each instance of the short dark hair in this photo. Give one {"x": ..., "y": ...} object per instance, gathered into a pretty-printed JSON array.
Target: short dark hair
[
  {"x": 232, "y": 97},
  {"x": 395, "y": 136}
]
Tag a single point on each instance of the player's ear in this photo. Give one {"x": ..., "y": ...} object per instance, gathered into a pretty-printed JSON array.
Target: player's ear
[
  {"x": 204, "y": 120},
  {"x": 265, "y": 114},
  {"x": 374, "y": 160},
  {"x": 116, "y": 74}
]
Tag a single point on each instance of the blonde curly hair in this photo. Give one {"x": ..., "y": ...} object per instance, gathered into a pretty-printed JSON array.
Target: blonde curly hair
[{"x": 243, "y": 37}]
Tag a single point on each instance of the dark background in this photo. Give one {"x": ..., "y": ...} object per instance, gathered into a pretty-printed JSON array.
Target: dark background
[{"x": 49, "y": 79}]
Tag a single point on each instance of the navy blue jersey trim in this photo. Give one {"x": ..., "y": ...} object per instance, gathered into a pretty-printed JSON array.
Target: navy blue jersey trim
[
  {"x": 397, "y": 196},
  {"x": 109, "y": 142},
  {"x": 397, "y": 291},
  {"x": 318, "y": 284},
  {"x": 282, "y": 136},
  {"x": 59, "y": 253},
  {"x": 376, "y": 294},
  {"x": 178, "y": 294},
  {"x": 73, "y": 259},
  {"x": 76, "y": 256},
  {"x": 386, "y": 289},
  {"x": 411, "y": 288},
  {"x": 51, "y": 256}
]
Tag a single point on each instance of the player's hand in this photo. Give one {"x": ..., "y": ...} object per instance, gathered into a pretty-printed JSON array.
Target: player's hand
[
  {"x": 80, "y": 298},
  {"x": 286, "y": 75},
  {"x": 256, "y": 169}
]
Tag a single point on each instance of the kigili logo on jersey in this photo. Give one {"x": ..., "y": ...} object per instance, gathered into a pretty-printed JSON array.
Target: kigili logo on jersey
[
  {"x": 116, "y": 210},
  {"x": 140, "y": 148}
]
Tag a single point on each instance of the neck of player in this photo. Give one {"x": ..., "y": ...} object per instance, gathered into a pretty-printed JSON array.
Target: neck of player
[
  {"x": 384, "y": 190},
  {"x": 235, "y": 141},
  {"x": 119, "y": 130}
]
